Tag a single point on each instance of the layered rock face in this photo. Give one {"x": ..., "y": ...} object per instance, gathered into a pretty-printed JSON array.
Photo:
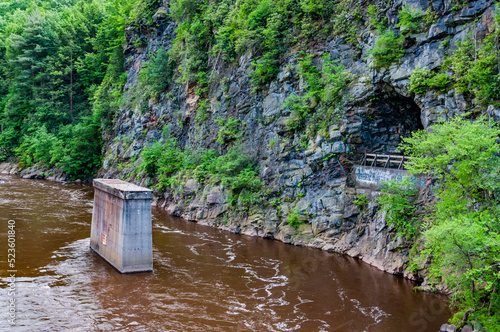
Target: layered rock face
[{"x": 316, "y": 182}]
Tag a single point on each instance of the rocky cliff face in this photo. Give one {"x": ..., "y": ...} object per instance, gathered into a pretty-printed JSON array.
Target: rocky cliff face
[{"x": 314, "y": 181}]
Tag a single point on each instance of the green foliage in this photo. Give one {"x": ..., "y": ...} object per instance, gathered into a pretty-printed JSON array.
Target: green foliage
[
  {"x": 372, "y": 12},
  {"x": 159, "y": 72},
  {"x": 76, "y": 150},
  {"x": 235, "y": 170},
  {"x": 422, "y": 79},
  {"x": 150, "y": 158},
  {"x": 224, "y": 30},
  {"x": 493, "y": 89},
  {"x": 460, "y": 154},
  {"x": 61, "y": 72},
  {"x": 266, "y": 68},
  {"x": 387, "y": 49},
  {"x": 439, "y": 82},
  {"x": 293, "y": 218},
  {"x": 345, "y": 18},
  {"x": 318, "y": 108},
  {"x": 465, "y": 251},
  {"x": 153, "y": 79},
  {"x": 82, "y": 146},
  {"x": 398, "y": 202},
  {"x": 202, "y": 111},
  {"x": 475, "y": 68},
  {"x": 361, "y": 201},
  {"x": 430, "y": 16},
  {"x": 38, "y": 147},
  {"x": 409, "y": 20},
  {"x": 145, "y": 9},
  {"x": 229, "y": 130},
  {"x": 463, "y": 233},
  {"x": 273, "y": 142}
]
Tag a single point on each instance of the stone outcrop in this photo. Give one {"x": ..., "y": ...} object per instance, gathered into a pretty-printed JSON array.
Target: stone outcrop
[
  {"x": 43, "y": 173},
  {"x": 10, "y": 167},
  {"x": 37, "y": 171},
  {"x": 316, "y": 181}
]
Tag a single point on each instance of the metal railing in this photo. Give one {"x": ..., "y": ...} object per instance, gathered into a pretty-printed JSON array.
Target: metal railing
[{"x": 385, "y": 160}]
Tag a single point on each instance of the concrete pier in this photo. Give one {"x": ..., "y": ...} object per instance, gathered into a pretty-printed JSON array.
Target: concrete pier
[{"x": 121, "y": 225}]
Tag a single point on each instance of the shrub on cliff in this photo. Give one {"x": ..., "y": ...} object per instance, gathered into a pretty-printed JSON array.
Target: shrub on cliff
[
  {"x": 235, "y": 170},
  {"x": 423, "y": 79},
  {"x": 158, "y": 73},
  {"x": 229, "y": 130},
  {"x": 475, "y": 66},
  {"x": 398, "y": 202},
  {"x": 410, "y": 21},
  {"x": 293, "y": 218},
  {"x": 319, "y": 106},
  {"x": 387, "y": 50}
]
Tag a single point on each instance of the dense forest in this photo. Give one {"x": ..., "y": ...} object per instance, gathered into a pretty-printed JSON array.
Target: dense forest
[
  {"x": 61, "y": 68},
  {"x": 62, "y": 82}
]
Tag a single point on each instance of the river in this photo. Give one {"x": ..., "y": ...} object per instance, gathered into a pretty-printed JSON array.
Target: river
[{"x": 204, "y": 279}]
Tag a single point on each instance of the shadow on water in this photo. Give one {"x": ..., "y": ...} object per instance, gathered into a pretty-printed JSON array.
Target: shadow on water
[{"x": 204, "y": 279}]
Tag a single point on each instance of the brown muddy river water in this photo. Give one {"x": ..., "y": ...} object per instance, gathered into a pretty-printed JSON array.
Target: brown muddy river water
[{"x": 204, "y": 279}]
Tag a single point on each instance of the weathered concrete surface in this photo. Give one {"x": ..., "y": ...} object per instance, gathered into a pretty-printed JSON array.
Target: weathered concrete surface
[
  {"x": 121, "y": 225},
  {"x": 368, "y": 177}
]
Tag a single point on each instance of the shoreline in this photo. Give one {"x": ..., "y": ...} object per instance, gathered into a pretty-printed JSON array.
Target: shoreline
[{"x": 385, "y": 265}]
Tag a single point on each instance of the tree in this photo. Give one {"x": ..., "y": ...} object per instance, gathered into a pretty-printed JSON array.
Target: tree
[
  {"x": 462, "y": 235},
  {"x": 61, "y": 74}
]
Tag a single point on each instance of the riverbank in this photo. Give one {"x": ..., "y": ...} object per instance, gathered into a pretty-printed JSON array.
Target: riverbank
[
  {"x": 38, "y": 172},
  {"x": 363, "y": 234},
  {"x": 11, "y": 168},
  {"x": 203, "y": 279}
]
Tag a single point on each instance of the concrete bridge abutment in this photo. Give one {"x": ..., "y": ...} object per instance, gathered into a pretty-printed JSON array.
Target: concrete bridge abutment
[{"x": 121, "y": 230}]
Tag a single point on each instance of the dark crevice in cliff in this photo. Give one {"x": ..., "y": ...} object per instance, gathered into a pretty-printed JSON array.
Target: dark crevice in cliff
[{"x": 390, "y": 117}]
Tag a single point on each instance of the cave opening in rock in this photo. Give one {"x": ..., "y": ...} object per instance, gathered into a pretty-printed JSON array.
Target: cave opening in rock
[{"x": 390, "y": 117}]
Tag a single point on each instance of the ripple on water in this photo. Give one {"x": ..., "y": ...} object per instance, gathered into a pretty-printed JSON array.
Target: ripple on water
[{"x": 203, "y": 279}]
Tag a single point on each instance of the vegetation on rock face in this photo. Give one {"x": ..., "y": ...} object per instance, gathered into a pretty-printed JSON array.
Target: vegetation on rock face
[
  {"x": 156, "y": 75},
  {"x": 293, "y": 218},
  {"x": 229, "y": 130},
  {"x": 398, "y": 202},
  {"x": 361, "y": 201},
  {"x": 319, "y": 106},
  {"x": 388, "y": 46},
  {"x": 462, "y": 233},
  {"x": 423, "y": 79},
  {"x": 474, "y": 68},
  {"x": 235, "y": 170},
  {"x": 388, "y": 49},
  {"x": 227, "y": 29}
]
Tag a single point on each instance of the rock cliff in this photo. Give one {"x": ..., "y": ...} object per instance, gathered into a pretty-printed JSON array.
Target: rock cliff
[{"x": 314, "y": 180}]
